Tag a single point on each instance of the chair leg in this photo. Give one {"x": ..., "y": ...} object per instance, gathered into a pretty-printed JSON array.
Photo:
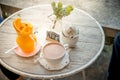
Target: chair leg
[
  {"x": 83, "y": 75},
  {"x": 1, "y": 12}
]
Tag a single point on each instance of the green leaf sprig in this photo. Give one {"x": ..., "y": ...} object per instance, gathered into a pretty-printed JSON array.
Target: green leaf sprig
[{"x": 60, "y": 11}]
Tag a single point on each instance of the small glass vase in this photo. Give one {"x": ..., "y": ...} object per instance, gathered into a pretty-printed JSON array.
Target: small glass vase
[{"x": 57, "y": 26}]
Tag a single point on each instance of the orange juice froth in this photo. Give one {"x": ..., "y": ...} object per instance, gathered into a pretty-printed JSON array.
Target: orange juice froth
[{"x": 53, "y": 51}]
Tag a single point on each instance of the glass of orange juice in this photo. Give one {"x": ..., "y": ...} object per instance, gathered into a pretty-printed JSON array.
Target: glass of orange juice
[{"x": 25, "y": 39}]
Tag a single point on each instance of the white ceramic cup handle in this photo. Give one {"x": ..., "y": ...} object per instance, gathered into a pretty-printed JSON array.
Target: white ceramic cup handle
[{"x": 66, "y": 46}]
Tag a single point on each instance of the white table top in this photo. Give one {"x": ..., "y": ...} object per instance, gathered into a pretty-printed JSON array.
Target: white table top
[{"x": 89, "y": 46}]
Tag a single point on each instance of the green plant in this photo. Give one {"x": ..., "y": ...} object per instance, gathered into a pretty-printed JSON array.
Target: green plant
[{"x": 59, "y": 11}]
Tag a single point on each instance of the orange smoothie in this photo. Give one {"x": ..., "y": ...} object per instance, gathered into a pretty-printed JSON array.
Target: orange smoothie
[{"x": 26, "y": 40}]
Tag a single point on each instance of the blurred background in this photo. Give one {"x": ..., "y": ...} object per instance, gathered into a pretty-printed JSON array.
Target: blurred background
[{"x": 106, "y": 12}]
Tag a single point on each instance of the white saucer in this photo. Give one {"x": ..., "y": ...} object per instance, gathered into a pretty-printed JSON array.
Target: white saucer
[{"x": 55, "y": 66}]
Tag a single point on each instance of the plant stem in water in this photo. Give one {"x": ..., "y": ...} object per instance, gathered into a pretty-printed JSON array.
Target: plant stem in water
[{"x": 54, "y": 23}]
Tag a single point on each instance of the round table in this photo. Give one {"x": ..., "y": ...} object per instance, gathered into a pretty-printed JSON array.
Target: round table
[{"x": 87, "y": 50}]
